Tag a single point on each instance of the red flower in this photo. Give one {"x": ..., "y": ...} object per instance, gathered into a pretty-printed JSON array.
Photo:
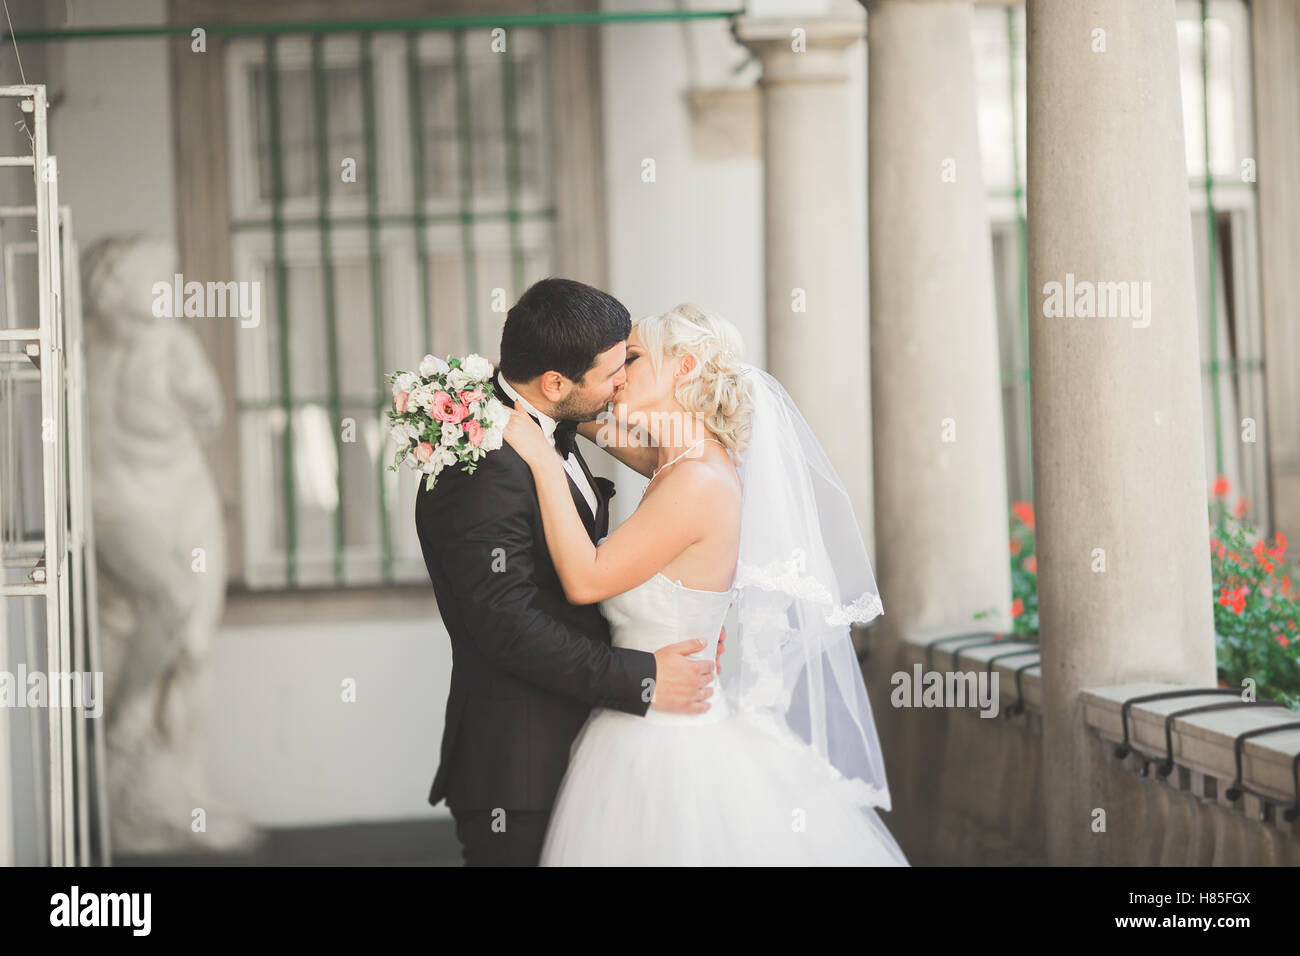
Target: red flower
[
  {"x": 1263, "y": 558},
  {"x": 1030, "y": 564},
  {"x": 1241, "y": 509},
  {"x": 1025, "y": 512},
  {"x": 1220, "y": 489},
  {"x": 1017, "y": 607},
  {"x": 1283, "y": 640},
  {"x": 1015, "y": 547},
  {"x": 1233, "y": 598}
]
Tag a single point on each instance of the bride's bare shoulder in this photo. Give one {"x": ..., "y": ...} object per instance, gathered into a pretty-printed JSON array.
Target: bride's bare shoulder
[{"x": 709, "y": 479}]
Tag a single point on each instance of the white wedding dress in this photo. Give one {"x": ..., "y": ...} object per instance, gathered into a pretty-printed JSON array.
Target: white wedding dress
[{"x": 719, "y": 788}]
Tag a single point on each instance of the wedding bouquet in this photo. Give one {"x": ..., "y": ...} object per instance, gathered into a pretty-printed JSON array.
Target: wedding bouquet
[{"x": 445, "y": 414}]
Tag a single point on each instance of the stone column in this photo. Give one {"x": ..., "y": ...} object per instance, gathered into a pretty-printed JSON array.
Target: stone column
[
  {"x": 940, "y": 472},
  {"x": 940, "y": 475},
  {"x": 1275, "y": 47},
  {"x": 815, "y": 288},
  {"x": 1119, "y": 466}
]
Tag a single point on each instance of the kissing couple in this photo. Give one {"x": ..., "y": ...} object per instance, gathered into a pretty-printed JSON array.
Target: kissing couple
[{"x": 587, "y": 724}]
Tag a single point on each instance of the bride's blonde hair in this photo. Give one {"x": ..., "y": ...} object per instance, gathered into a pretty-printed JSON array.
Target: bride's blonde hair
[{"x": 716, "y": 388}]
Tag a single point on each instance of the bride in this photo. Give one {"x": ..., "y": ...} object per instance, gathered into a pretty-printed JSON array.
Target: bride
[{"x": 743, "y": 509}]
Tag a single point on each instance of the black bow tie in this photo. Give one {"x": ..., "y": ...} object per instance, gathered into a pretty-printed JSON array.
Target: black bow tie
[{"x": 566, "y": 438}]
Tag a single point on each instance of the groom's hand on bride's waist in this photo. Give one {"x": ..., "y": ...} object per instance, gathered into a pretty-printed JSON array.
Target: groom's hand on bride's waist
[{"x": 682, "y": 685}]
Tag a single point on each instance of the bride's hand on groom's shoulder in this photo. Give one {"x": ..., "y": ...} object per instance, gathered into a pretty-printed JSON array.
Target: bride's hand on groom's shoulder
[{"x": 526, "y": 437}]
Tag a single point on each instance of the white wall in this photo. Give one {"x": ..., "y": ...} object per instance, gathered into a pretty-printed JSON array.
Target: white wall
[
  {"x": 111, "y": 127},
  {"x": 696, "y": 233},
  {"x": 285, "y": 747}
]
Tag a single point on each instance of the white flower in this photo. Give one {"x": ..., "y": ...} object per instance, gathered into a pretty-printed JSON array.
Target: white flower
[
  {"x": 422, "y": 397},
  {"x": 476, "y": 366},
  {"x": 443, "y": 456},
  {"x": 432, "y": 365},
  {"x": 497, "y": 415},
  {"x": 403, "y": 383},
  {"x": 450, "y": 433},
  {"x": 458, "y": 380},
  {"x": 492, "y": 439},
  {"x": 404, "y": 432}
]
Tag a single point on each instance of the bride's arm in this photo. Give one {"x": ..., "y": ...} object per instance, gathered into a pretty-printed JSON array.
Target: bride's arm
[
  {"x": 662, "y": 527},
  {"x": 630, "y": 446}
]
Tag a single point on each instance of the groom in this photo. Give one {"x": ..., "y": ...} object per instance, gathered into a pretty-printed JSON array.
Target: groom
[{"x": 528, "y": 666}]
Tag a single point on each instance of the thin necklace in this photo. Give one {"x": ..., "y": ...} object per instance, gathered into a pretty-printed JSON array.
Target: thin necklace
[{"x": 683, "y": 455}]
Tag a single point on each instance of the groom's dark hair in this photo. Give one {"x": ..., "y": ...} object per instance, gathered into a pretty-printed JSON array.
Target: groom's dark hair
[{"x": 560, "y": 325}]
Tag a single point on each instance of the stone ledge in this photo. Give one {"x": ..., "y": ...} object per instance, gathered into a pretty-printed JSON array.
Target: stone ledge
[
  {"x": 1202, "y": 743},
  {"x": 977, "y": 658}
]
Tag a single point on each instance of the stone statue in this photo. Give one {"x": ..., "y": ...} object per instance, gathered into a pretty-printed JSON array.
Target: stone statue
[{"x": 159, "y": 540}]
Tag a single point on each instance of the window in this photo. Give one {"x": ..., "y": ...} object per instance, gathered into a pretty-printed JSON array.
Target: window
[
  {"x": 1226, "y": 258},
  {"x": 393, "y": 195}
]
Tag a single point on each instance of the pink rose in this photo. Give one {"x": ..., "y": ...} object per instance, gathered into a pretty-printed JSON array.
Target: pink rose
[
  {"x": 474, "y": 432},
  {"x": 423, "y": 451},
  {"x": 468, "y": 398},
  {"x": 400, "y": 402},
  {"x": 445, "y": 408}
]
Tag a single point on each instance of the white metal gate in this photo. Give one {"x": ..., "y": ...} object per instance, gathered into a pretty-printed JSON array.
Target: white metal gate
[{"x": 55, "y": 573}]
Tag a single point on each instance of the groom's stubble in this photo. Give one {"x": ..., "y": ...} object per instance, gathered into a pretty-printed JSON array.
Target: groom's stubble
[{"x": 572, "y": 409}]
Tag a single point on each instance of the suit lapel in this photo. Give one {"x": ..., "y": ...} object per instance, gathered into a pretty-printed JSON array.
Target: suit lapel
[
  {"x": 599, "y": 526},
  {"x": 595, "y": 524}
]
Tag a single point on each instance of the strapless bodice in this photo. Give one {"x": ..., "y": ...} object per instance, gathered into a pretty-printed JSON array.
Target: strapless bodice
[{"x": 660, "y": 612}]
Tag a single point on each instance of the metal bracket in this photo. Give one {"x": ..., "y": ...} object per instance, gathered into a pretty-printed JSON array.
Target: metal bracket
[
  {"x": 1235, "y": 791},
  {"x": 1124, "y": 748},
  {"x": 991, "y": 642},
  {"x": 1007, "y": 714},
  {"x": 1019, "y": 706},
  {"x": 1166, "y": 766},
  {"x": 929, "y": 648}
]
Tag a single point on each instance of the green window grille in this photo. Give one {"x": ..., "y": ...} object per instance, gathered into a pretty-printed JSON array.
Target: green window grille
[
  {"x": 449, "y": 216},
  {"x": 1215, "y": 67}
]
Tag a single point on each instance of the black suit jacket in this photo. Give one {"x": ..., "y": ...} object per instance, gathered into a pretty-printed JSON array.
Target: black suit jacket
[{"x": 527, "y": 666}]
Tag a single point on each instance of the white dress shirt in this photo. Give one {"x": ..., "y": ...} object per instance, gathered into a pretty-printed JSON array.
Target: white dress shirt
[{"x": 548, "y": 427}]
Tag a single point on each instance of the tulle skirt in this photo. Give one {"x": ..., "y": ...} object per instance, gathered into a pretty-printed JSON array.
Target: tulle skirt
[{"x": 647, "y": 792}]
